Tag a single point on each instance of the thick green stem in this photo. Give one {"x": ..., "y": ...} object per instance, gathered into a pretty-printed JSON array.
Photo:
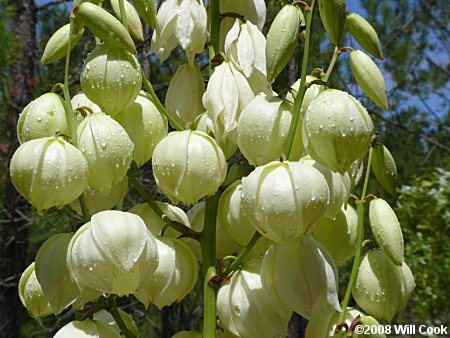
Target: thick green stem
[
  {"x": 214, "y": 26},
  {"x": 359, "y": 242},
  {"x": 332, "y": 63},
  {"x": 84, "y": 209},
  {"x": 69, "y": 111},
  {"x": 302, "y": 90},
  {"x": 118, "y": 319},
  {"x": 155, "y": 207},
  {"x": 233, "y": 266},
  {"x": 154, "y": 98},
  {"x": 208, "y": 245}
]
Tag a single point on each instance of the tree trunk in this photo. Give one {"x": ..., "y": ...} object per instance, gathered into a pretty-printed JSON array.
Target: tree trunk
[{"x": 13, "y": 231}]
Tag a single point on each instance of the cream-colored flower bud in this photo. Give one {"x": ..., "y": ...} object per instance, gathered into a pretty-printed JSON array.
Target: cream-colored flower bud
[
  {"x": 333, "y": 14},
  {"x": 244, "y": 308},
  {"x": 87, "y": 329},
  {"x": 307, "y": 286},
  {"x": 384, "y": 168},
  {"x": 106, "y": 318},
  {"x": 49, "y": 172},
  {"x": 339, "y": 186},
  {"x": 282, "y": 39},
  {"x": 225, "y": 245},
  {"x": 205, "y": 124},
  {"x": 182, "y": 22},
  {"x": 355, "y": 172},
  {"x": 336, "y": 130},
  {"x": 365, "y": 34},
  {"x": 134, "y": 24},
  {"x": 338, "y": 235},
  {"x": 369, "y": 77},
  {"x": 54, "y": 277},
  {"x": 31, "y": 295},
  {"x": 44, "y": 117},
  {"x": 231, "y": 216},
  {"x": 111, "y": 78},
  {"x": 227, "y": 94},
  {"x": 113, "y": 253},
  {"x": 381, "y": 288},
  {"x": 263, "y": 128},
  {"x": 80, "y": 99},
  {"x": 107, "y": 148},
  {"x": 245, "y": 46},
  {"x": 145, "y": 126},
  {"x": 386, "y": 229},
  {"x": 284, "y": 199},
  {"x": 175, "y": 276},
  {"x": 188, "y": 165},
  {"x": 184, "y": 95},
  {"x": 311, "y": 93},
  {"x": 56, "y": 47},
  {"x": 97, "y": 201}
]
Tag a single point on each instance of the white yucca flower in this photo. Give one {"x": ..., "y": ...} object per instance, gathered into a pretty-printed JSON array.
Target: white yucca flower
[
  {"x": 184, "y": 102},
  {"x": 182, "y": 22},
  {"x": 245, "y": 45},
  {"x": 227, "y": 94}
]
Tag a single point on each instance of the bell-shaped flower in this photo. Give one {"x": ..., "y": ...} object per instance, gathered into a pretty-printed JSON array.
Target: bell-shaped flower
[
  {"x": 87, "y": 329},
  {"x": 31, "y": 295},
  {"x": 188, "y": 165},
  {"x": 244, "y": 308},
  {"x": 382, "y": 288},
  {"x": 307, "y": 286},
  {"x": 227, "y": 94},
  {"x": 245, "y": 46},
  {"x": 107, "y": 148},
  {"x": 184, "y": 95},
  {"x": 44, "y": 117},
  {"x": 263, "y": 128},
  {"x": 145, "y": 126},
  {"x": 97, "y": 201},
  {"x": 111, "y": 78},
  {"x": 182, "y": 22},
  {"x": 175, "y": 276},
  {"x": 339, "y": 186},
  {"x": 336, "y": 130},
  {"x": 204, "y": 123},
  {"x": 49, "y": 172},
  {"x": 252, "y": 10},
  {"x": 113, "y": 253},
  {"x": 225, "y": 245},
  {"x": 311, "y": 93},
  {"x": 284, "y": 199},
  {"x": 231, "y": 216},
  {"x": 338, "y": 235},
  {"x": 54, "y": 276}
]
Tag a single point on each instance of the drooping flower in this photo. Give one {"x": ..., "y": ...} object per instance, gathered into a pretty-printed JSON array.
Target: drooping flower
[{"x": 182, "y": 22}]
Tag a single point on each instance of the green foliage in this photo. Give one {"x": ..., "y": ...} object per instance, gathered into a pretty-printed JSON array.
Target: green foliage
[{"x": 424, "y": 213}]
